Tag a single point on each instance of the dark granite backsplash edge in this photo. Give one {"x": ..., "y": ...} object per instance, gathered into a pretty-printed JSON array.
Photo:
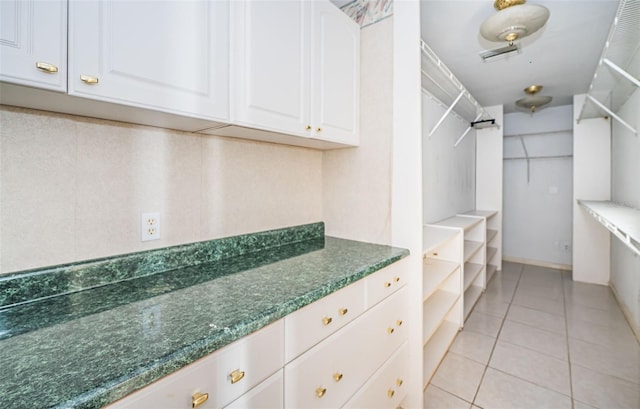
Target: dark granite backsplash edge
[{"x": 29, "y": 285}]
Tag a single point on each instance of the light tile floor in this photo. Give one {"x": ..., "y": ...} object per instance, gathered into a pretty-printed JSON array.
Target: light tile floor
[{"x": 537, "y": 339}]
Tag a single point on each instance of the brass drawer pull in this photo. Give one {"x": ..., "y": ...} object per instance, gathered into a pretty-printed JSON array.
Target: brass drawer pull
[
  {"x": 88, "y": 79},
  {"x": 343, "y": 311},
  {"x": 236, "y": 376},
  {"x": 320, "y": 392},
  {"x": 326, "y": 320},
  {"x": 399, "y": 382},
  {"x": 318, "y": 129},
  {"x": 337, "y": 376},
  {"x": 399, "y": 322},
  {"x": 389, "y": 330},
  {"x": 390, "y": 393},
  {"x": 396, "y": 279},
  {"x": 198, "y": 399},
  {"x": 387, "y": 284},
  {"x": 46, "y": 67},
  {"x": 308, "y": 127}
]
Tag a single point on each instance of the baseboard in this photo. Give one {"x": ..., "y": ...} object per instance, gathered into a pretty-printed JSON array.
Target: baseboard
[
  {"x": 538, "y": 263},
  {"x": 626, "y": 312}
]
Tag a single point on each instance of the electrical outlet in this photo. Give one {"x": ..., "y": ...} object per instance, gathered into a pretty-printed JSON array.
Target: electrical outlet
[{"x": 150, "y": 226}]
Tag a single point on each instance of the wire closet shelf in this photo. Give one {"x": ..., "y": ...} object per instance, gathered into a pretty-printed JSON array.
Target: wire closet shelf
[{"x": 443, "y": 87}]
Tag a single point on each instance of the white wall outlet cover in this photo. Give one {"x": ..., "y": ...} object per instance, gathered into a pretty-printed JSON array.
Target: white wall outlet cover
[{"x": 150, "y": 226}]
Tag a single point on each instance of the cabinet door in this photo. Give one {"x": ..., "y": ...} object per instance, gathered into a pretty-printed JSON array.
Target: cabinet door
[
  {"x": 169, "y": 56},
  {"x": 270, "y": 56},
  {"x": 335, "y": 73},
  {"x": 33, "y": 43}
]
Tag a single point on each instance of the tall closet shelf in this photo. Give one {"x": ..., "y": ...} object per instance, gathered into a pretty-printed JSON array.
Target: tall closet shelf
[
  {"x": 438, "y": 81},
  {"x": 471, "y": 247},
  {"x": 622, "y": 221},
  {"x": 618, "y": 70},
  {"x": 491, "y": 234},
  {"x": 442, "y": 318},
  {"x": 471, "y": 272},
  {"x": 493, "y": 241}
]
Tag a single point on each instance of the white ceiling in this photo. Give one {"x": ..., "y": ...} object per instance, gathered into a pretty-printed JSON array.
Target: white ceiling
[{"x": 562, "y": 56}]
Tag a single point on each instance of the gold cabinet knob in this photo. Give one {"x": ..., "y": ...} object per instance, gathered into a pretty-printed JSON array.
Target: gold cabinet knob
[
  {"x": 390, "y": 393},
  {"x": 307, "y": 127},
  {"x": 337, "y": 376},
  {"x": 88, "y": 79},
  {"x": 198, "y": 399},
  {"x": 387, "y": 284},
  {"x": 399, "y": 382},
  {"x": 318, "y": 129},
  {"x": 46, "y": 67},
  {"x": 396, "y": 279},
  {"x": 343, "y": 311},
  {"x": 389, "y": 330},
  {"x": 399, "y": 322},
  {"x": 326, "y": 320},
  {"x": 320, "y": 392},
  {"x": 236, "y": 376}
]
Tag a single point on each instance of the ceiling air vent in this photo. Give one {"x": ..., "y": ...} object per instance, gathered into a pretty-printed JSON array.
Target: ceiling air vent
[{"x": 500, "y": 53}]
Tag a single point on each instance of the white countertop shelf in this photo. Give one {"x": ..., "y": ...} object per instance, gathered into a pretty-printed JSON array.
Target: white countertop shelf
[
  {"x": 622, "y": 221},
  {"x": 462, "y": 222},
  {"x": 482, "y": 213},
  {"x": 434, "y": 236}
]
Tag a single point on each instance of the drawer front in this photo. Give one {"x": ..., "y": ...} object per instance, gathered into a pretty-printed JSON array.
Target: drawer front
[
  {"x": 248, "y": 361},
  {"x": 309, "y": 325},
  {"x": 327, "y": 375},
  {"x": 388, "y": 386},
  {"x": 383, "y": 283},
  {"x": 268, "y": 394}
]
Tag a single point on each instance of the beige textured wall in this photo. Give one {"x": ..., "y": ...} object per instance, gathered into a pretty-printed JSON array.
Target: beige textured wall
[
  {"x": 73, "y": 188},
  {"x": 357, "y": 182}
]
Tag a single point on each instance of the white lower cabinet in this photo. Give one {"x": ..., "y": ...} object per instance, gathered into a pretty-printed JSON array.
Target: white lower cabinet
[
  {"x": 268, "y": 394},
  {"x": 387, "y": 387},
  {"x": 331, "y": 372},
  {"x": 349, "y": 347},
  {"x": 218, "y": 379}
]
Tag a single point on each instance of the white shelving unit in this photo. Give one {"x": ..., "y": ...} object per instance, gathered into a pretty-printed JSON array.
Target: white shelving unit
[
  {"x": 493, "y": 241},
  {"x": 442, "y": 294},
  {"x": 618, "y": 72},
  {"x": 473, "y": 230},
  {"x": 622, "y": 221}
]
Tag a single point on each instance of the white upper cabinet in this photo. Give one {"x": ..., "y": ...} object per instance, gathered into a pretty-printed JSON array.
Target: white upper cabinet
[
  {"x": 169, "y": 56},
  {"x": 335, "y": 70},
  {"x": 33, "y": 43},
  {"x": 296, "y": 69},
  {"x": 270, "y": 55}
]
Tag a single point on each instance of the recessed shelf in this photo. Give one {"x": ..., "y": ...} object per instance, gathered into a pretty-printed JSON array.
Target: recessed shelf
[
  {"x": 491, "y": 252},
  {"x": 435, "y": 272},
  {"x": 491, "y": 234},
  {"x": 437, "y": 347},
  {"x": 435, "y": 308},
  {"x": 462, "y": 222},
  {"x": 471, "y": 296},
  {"x": 471, "y": 273},
  {"x": 482, "y": 213},
  {"x": 470, "y": 248}
]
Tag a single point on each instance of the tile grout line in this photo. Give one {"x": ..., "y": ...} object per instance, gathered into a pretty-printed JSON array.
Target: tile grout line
[
  {"x": 566, "y": 327},
  {"x": 475, "y": 396}
]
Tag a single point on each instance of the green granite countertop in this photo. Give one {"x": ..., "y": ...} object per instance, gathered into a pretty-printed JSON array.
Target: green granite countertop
[{"x": 84, "y": 346}]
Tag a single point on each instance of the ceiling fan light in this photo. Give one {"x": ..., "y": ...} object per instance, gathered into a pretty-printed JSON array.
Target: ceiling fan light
[{"x": 519, "y": 20}]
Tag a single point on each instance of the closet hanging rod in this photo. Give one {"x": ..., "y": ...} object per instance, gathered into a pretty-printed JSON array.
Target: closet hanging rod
[
  {"x": 539, "y": 157},
  {"x": 539, "y": 133}
]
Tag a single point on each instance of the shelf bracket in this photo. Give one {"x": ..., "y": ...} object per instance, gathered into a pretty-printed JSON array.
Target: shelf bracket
[
  {"x": 621, "y": 72},
  {"x": 455, "y": 145},
  {"x": 613, "y": 114},
  {"x": 446, "y": 113}
]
